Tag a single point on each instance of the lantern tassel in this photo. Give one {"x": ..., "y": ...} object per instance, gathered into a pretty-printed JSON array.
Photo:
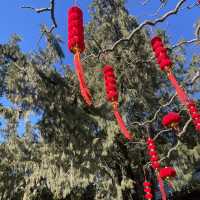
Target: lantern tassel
[
  {"x": 161, "y": 185},
  {"x": 121, "y": 123},
  {"x": 80, "y": 74},
  {"x": 183, "y": 97}
]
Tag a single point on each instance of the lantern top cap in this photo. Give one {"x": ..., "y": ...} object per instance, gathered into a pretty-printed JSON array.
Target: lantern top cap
[
  {"x": 75, "y": 8},
  {"x": 167, "y": 172},
  {"x": 156, "y": 39},
  {"x": 171, "y": 117}
]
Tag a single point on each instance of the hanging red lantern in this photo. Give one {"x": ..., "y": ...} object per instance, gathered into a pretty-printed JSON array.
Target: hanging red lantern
[
  {"x": 76, "y": 45},
  {"x": 112, "y": 96},
  {"x": 154, "y": 158},
  {"x": 193, "y": 111},
  {"x": 167, "y": 172},
  {"x": 171, "y": 120},
  {"x": 166, "y": 65},
  {"x": 147, "y": 190}
]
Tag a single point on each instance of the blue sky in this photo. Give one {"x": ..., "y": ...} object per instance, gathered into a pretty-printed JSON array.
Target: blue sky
[{"x": 27, "y": 23}]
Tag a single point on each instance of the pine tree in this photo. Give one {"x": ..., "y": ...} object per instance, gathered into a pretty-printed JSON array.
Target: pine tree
[{"x": 77, "y": 152}]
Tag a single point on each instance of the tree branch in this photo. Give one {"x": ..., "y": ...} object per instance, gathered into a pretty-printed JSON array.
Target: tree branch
[
  {"x": 147, "y": 22},
  {"x": 50, "y": 9}
]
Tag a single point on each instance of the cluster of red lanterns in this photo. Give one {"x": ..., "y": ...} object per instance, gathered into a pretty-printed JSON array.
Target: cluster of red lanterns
[
  {"x": 76, "y": 45},
  {"x": 166, "y": 64},
  {"x": 192, "y": 109},
  {"x": 162, "y": 173},
  {"x": 155, "y": 164},
  {"x": 147, "y": 189},
  {"x": 112, "y": 96}
]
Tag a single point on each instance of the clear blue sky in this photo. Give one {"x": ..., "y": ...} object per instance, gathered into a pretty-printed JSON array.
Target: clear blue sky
[{"x": 26, "y": 23}]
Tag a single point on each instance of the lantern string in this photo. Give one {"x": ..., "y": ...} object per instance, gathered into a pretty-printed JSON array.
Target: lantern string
[
  {"x": 161, "y": 185},
  {"x": 121, "y": 123},
  {"x": 80, "y": 74},
  {"x": 183, "y": 97},
  {"x": 75, "y": 2},
  {"x": 170, "y": 183}
]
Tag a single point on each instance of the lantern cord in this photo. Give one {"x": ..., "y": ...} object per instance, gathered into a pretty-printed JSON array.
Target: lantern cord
[
  {"x": 171, "y": 185},
  {"x": 161, "y": 185},
  {"x": 183, "y": 97},
  {"x": 80, "y": 74},
  {"x": 75, "y": 2},
  {"x": 121, "y": 123}
]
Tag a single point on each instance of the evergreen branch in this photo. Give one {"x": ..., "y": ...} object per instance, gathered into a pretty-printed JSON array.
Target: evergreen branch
[{"x": 50, "y": 9}]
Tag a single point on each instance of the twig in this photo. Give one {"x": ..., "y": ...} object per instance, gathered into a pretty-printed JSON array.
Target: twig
[
  {"x": 184, "y": 128},
  {"x": 170, "y": 151},
  {"x": 159, "y": 133},
  {"x": 185, "y": 42}
]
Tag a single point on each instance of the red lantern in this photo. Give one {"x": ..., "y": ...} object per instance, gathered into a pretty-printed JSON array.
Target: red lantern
[
  {"x": 147, "y": 190},
  {"x": 171, "y": 120},
  {"x": 167, "y": 172},
  {"x": 112, "y": 96},
  {"x": 155, "y": 164},
  {"x": 75, "y": 30},
  {"x": 193, "y": 111},
  {"x": 76, "y": 45},
  {"x": 166, "y": 65}
]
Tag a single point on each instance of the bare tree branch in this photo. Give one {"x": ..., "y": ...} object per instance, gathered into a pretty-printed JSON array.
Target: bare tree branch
[
  {"x": 147, "y": 22},
  {"x": 50, "y": 9},
  {"x": 185, "y": 42},
  {"x": 156, "y": 113}
]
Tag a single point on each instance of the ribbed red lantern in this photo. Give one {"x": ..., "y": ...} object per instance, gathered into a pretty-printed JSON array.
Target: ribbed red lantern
[
  {"x": 112, "y": 96},
  {"x": 171, "y": 120},
  {"x": 154, "y": 158},
  {"x": 193, "y": 111},
  {"x": 147, "y": 189},
  {"x": 75, "y": 30},
  {"x": 166, "y": 65},
  {"x": 76, "y": 45},
  {"x": 167, "y": 172}
]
